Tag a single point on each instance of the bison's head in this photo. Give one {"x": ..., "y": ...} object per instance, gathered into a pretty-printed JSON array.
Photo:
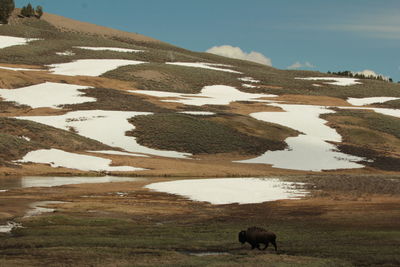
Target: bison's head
[{"x": 242, "y": 237}]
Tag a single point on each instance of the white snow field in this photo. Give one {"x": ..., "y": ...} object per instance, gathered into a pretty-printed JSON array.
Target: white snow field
[
  {"x": 7, "y": 41},
  {"x": 309, "y": 151},
  {"x": 40, "y": 181},
  {"x": 209, "y": 95},
  {"x": 60, "y": 158},
  {"x": 202, "y": 65},
  {"x": 334, "y": 80},
  {"x": 47, "y": 94},
  {"x": 90, "y": 67},
  {"x": 115, "y": 49},
  {"x": 369, "y": 100},
  {"x": 231, "y": 190},
  {"x": 108, "y": 127}
]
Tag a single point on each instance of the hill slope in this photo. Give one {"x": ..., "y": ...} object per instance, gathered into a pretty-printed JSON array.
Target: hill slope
[{"x": 176, "y": 112}]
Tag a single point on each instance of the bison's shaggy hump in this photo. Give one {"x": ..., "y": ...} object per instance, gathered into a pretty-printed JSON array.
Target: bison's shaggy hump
[{"x": 256, "y": 236}]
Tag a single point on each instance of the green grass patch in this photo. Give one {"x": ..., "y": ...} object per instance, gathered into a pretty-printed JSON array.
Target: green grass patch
[
  {"x": 195, "y": 135},
  {"x": 165, "y": 77}
]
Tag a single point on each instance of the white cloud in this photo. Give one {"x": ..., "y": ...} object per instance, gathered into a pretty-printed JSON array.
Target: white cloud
[
  {"x": 298, "y": 65},
  {"x": 237, "y": 52},
  {"x": 372, "y": 73}
]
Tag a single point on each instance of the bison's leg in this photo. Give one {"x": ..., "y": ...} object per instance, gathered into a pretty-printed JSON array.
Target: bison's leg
[
  {"x": 253, "y": 246},
  {"x": 258, "y": 246},
  {"x": 266, "y": 245},
  {"x": 274, "y": 243}
]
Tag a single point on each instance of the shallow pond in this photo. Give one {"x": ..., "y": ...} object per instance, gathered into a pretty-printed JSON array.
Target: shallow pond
[{"x": 37, "y": 181}]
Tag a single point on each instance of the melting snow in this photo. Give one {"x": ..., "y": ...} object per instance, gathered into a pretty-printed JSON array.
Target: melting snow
[
  {"x": 36, "y": 208},
  {"x": 202, "y": 65},
  {"x": 369, "y": 100},
  {"x": 336, "y": 81},
  {"x": 121, "y": 153},
  {"x": 19, "y": 69},
  {"x": 90, "y": 67},
  {"x": 209, "y": 95},
  {"x": 201, "y": 113},
  {"x": 248, "y": 85},
  {"x": 231, "y": 190},
  {"x": 66, "y": 53},
  {"x": 7, "y": 41},
  {"x": 7, "y": 228},
  {"x": 60, "y": 158},
  {"x": 384, "y": 111},
  {"x": 116, "y": 49},
  {"x": 108, "y": 127},
  {"x": 248, "y": 79},
  {"x": 47, "y": 95},
  {"x": 308, "y": 151}
]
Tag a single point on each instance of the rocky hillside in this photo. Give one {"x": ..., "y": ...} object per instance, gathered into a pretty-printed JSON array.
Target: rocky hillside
[{"x": 79, "y": 98}]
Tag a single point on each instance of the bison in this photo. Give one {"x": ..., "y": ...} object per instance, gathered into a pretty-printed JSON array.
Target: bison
[{"x": 256, "y": 236}]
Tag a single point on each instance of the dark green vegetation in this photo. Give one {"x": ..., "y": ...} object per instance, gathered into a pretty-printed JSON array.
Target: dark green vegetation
[
  {"x": 341, "y": 229},
  {"x": 351, "y": 74},
  {"x": 171, "y": 78},
  {"x": 370, "y": 135},
  {"x": 110, "y": 99},
  {"x": 6, "y": 8},
  {"x": 14, "y": 146},
  {"x": 195, "y": 135}
]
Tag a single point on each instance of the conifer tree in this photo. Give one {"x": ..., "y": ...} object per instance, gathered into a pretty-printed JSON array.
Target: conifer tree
[
  {"x": 30, "y": 11},
  {"x": 6, "y": 8},
  {"x": 39, "y": 12}
]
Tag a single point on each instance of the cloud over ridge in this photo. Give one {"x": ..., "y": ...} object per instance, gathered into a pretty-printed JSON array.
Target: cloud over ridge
[{"x": 238, "y": 53}]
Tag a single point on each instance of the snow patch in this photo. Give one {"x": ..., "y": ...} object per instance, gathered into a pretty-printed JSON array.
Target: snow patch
[
  {"x": 231, "y": 190},
  {"x": 59, "y": 158},
  {"x": 210, "y": 66},
  {"x": 248, "y": 80},
  {"x": 309, "y": 151},
  {"x": 47, "y": 95},
  {"x": 7, "y": 228},
  {"x": 7, "y": 41},
  {"x": 121, "y": 153},
  {"x": 200, "y": 113},
  {"x": 334, "y": 80},
  {"x": 90, "y": 67},
  {"x": 66, "y": 53},
  {"x": 369, "y": 100},
  {"x": 116, "y": 49},
  {"x": 108, "y": 127},
  {"x": 38, "y": 208},
  {"x": 209, "y": 95}
]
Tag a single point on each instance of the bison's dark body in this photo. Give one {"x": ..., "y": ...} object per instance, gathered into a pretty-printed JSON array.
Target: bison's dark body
[{"x": 256, "y": 236}]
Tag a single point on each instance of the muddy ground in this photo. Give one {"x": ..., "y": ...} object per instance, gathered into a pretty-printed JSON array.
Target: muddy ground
[{"x": 346, "y": 220}]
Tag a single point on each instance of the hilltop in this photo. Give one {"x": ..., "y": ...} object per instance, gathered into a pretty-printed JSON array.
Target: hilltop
[{"x": 164, "y": 110}]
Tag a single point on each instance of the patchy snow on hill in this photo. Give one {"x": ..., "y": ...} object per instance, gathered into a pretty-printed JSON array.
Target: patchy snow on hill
[
  {"x": 209, "y": 95},
  {"x": 7, "y": 41},
  {"x": 202, "y": 65},
  {"x": 7, "y": 228},
  {"x": 334, "y": 80},
  {"x": 108, "y": 127},
  {"x": 115, "y": 49},
  {"x": 90, "y": 67},
  {"x": 66, "y": 53},
  {"x": 384, "y": 111},
  {"x": 309, "y": 151},
  {"x": 369, "y": 100},
  {"x": 231, "y": 190},
  {"x": 60, "y": 158},
  {"x": 119, "y": 153},
  {"x": 47, "y": 94}
]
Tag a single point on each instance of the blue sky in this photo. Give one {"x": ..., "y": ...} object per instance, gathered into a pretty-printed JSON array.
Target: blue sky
[{"x": 329, "y": 35}]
